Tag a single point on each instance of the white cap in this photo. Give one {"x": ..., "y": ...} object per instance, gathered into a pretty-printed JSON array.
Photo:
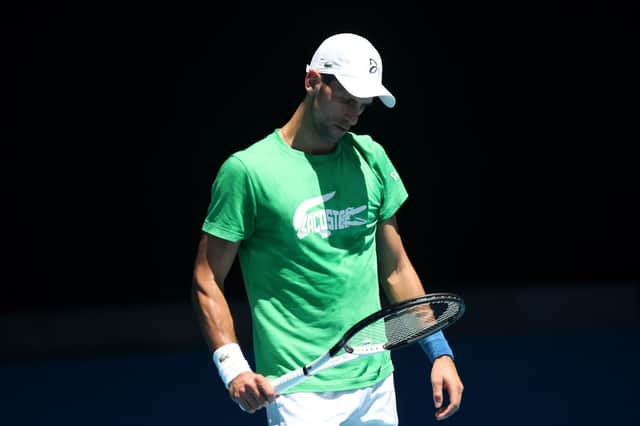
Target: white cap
[{"x": 355, "y": 63}]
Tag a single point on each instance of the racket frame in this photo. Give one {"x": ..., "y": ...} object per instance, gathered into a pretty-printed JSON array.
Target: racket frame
[{"x": 330, "y": 358}]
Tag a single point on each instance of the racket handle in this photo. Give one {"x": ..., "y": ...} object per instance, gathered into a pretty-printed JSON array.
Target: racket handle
[
  {"x": 285, "y": 381},
  {"x": 294, "y": 377}
]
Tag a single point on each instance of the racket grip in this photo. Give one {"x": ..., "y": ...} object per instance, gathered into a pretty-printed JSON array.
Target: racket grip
[{"x": 288, "y": 380}]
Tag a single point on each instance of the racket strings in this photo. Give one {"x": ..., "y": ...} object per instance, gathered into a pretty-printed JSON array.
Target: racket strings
[
  {"x": 372, "y": 335},
  {"x": 404, "y": 326},
  {"x": 419, "y": 320}
]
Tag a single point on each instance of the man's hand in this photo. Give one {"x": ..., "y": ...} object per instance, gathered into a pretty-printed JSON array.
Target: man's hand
[
  {"x": 444, "y": 376},
  {"x": 251, "y": 391}
]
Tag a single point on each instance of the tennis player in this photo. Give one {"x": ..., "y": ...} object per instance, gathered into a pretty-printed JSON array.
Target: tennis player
[{"x": 309, "y": 210}]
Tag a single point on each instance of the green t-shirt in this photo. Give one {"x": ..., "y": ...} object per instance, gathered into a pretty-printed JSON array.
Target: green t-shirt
[{"x": 308, "y": 254}]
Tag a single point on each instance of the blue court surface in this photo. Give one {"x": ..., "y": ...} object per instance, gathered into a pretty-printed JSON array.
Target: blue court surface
[{"x": 569, "y": 378}]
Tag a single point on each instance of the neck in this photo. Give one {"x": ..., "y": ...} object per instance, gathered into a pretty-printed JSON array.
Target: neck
[
  {"x": 289, "y": 132},
  {"x": 299, "y": 132}
]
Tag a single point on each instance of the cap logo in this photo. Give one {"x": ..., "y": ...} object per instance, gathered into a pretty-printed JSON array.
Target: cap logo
[{"x": 373, "y": 68}]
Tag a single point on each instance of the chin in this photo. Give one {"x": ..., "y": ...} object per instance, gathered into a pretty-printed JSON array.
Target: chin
[
  {"x": 331, "y": 135},
  {"x": 339, "y": 133}
]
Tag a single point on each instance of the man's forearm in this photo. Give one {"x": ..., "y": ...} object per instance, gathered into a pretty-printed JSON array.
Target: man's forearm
[{"x": 213, "y": 315}]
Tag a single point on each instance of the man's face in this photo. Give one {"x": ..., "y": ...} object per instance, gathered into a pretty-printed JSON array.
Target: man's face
[{"x": 337, "y": 111}]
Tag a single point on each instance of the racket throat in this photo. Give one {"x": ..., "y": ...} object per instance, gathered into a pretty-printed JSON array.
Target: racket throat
[{"x": 318, "y": 365}]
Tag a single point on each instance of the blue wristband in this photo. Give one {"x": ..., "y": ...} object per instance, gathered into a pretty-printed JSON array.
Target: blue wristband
[{"x": 435, "y": 346}]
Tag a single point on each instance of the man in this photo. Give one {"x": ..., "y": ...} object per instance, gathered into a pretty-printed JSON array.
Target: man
[{"x": 310, "y": 212}]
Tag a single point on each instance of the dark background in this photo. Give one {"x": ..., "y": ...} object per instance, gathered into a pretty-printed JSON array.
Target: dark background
[{"x": 515, "y": 133}]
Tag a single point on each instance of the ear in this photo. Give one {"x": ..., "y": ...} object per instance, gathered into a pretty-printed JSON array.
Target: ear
[{"x": 312, "y": 81}]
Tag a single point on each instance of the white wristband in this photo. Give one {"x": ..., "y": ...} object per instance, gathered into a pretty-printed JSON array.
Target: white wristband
[{"x": 230, "y": 362}]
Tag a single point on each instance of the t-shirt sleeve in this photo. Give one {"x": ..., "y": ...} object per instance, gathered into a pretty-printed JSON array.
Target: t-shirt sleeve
[
  {"x": 231, "y": 211},
  {"x": 394, "y": 191}
]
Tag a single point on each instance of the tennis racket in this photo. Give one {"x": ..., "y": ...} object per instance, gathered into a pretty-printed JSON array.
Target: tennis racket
[{"x": 393, "y": 327}]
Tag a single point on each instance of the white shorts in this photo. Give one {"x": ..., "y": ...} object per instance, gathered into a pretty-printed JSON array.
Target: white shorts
[{"x": 372, "y": 406}]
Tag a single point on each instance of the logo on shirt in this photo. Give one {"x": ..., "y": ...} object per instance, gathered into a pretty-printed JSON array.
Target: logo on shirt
[{"x": 308, "y": 219}]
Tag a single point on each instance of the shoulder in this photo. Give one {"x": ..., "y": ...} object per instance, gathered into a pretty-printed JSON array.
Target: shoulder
[
  {"x": 254, "y": 153},
  {"x": 365, "y": 145}
]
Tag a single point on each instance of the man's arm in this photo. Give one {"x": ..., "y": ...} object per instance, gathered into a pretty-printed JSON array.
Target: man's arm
[
  {"x": 397, "y": 274},
  {"x": 400, "y": 281},
  {"x": 213, "y": 261}
]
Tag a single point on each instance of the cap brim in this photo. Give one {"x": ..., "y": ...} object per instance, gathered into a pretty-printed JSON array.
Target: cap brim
[{"x": 365, "y": 89}]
